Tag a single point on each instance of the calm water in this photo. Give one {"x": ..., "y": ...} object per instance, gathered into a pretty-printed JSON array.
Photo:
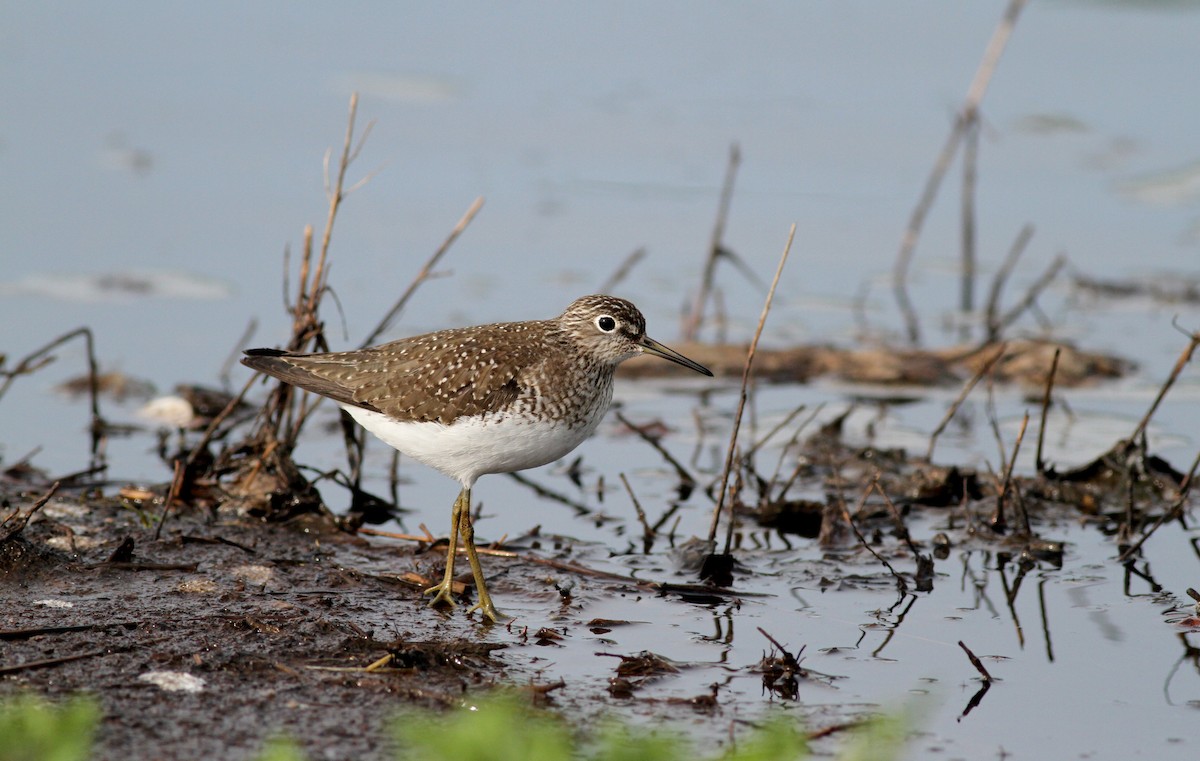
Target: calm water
[{"x": 157, "y": 160}]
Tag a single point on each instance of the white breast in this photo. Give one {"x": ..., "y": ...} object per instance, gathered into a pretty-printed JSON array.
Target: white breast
[{"x": 471, "y": 447}]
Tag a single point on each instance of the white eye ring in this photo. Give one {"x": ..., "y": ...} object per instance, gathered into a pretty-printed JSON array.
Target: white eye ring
[{"x": 606, "y": 323}]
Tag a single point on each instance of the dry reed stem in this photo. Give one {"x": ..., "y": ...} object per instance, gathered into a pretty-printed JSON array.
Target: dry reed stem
[
  {"x": 286, "y": 411},
  {"x": 788, "y": 658},
  {"x": 994, "y": 424},
  {"x": 15, "y": 668},
  {"x": 966, "y": 297},
  {"x": 900, "y": 525},
  {"x": 992, "y": 309},
  {"x": 901, "y": 584},
  {"x": 39, "y": 358},
  {"x": 543, "y": 492},
  {"x": 1039, "y": 463},
  {"x": 1020, "y": 502},
  {"x": 656, "y": 527},
  {"x": 978, "y": 664},
  {"x": 574, "y": 568},
  {"x": 968, "y": 112},
  {"x": 1006, "y": 484},
  {"x": 737, "y": 420},
  {"x": 424, "y": 273},
  {"x": 962, "y": 397},
  {"x": 776, "y": 429},
  {"x": 302, "y": 288},
  {"x": 1035, "y": 290},
  {"x": 622, "y": 271},
  {"x": 764, "y": 492},
  {"x": 336, "y": 193},
  {"x": 716, "y": 248},
  {"x": 307, "y": 330},
  {"x": 182, "y": 468},
  {"x": 1174, "y": 511},
  {"x": 225, "y": 374},
  {"x": 801, "y": 464},
  {"x": 647, "y": 532},
  {"x": 21, "y": 521},
  {"x": 685, "y": 477},
  {"x": 1184, "y": 358}
]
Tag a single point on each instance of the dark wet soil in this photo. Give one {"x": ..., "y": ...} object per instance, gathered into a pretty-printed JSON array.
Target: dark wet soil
[{"x": 264, "y": 614}]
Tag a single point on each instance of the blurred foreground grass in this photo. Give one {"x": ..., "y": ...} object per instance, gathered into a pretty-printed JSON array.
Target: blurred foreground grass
[
  {"x": 501, "y": 728},
  {"x": 33, "y": 729}
]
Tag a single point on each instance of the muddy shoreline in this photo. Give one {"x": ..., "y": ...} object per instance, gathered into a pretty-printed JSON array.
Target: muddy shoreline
[{"x": 265, "y": 615}]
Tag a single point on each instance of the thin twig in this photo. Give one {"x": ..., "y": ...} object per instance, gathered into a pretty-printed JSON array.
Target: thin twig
[
  {"x": 1035, "y": 290},
  {"x": 967, "y": 113},
  {"x": 901, "y": 528},
  {"x": 576, "y": 568},
  {"x": 966, "y": 297},
  {"x": 289, "y": 416},
  {"x": 666, "y": 516},
  {"x": 15, "y": 668},
  {"x": 737, "y": 420},
  {"x": 623, "y": 270},
  {"x": 789, "y": 660},
  {"x": 901, "y": 584},
  {"x": 686, "y": 478},
  {"x": 1027, "y": 527},
  {"x": 647, "y": 532},
  {"x": 424, "y": 273},
  {"x": 183, "y": 468},
  {"x": 40, "y": 358},
  {"x": 997, "y": 521},
  {"x": 336, "y": 193},
  {"x": 1039, "y": 463},
  {"x": 541, "y": 491},
  {"x": 1008, "y": 471},
  {"x": 858, "y": 307},
  {"x": 39, "y": 631},
  {"x": 776, "y": 429},
  {"x": 716, "y": 247},
  {"x": 994, "y": 423},
  {"x": 20, "y": 523},
  {"x": 801, "y": 463},
  {"x": 1174, "y": 511},
  {"x": 1184, "y": 358},
  {"x": 992, "y": 309},
  {"x": 978, "y": 664},
  {"x": 227, "y": 366},
  {"x": 307, "y": 327},
  {"x": 962, "y": 396}
]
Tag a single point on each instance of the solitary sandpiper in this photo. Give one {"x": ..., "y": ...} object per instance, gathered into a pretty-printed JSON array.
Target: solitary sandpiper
[{"x": 486, "y": 399}]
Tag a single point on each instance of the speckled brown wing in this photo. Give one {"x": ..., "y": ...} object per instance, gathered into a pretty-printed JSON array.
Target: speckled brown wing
[{"x": 434, "y": 377}]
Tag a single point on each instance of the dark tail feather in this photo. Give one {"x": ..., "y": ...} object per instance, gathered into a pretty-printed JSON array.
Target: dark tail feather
[{"x": 274, "y": 362}]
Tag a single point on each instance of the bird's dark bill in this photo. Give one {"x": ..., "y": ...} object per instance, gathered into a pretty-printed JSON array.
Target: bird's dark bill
[{"x": 650, "y": 346}]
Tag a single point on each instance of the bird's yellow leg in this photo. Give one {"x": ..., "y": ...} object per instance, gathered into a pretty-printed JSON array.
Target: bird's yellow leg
[
  {"x": 484, "y": 605},
  {"x": 443, "y": 593}
]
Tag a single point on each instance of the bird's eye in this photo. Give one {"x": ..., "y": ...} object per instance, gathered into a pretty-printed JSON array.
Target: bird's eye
[{"x": 606, "y": 323}]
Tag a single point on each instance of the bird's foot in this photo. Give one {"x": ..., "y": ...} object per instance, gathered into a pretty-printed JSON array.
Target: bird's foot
[
  {"x": 443, "y": 594},
  {"x": 489, "y": 612}
]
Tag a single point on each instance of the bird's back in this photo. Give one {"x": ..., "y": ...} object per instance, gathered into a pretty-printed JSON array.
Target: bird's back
[{"x": 442, "y": 376}]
